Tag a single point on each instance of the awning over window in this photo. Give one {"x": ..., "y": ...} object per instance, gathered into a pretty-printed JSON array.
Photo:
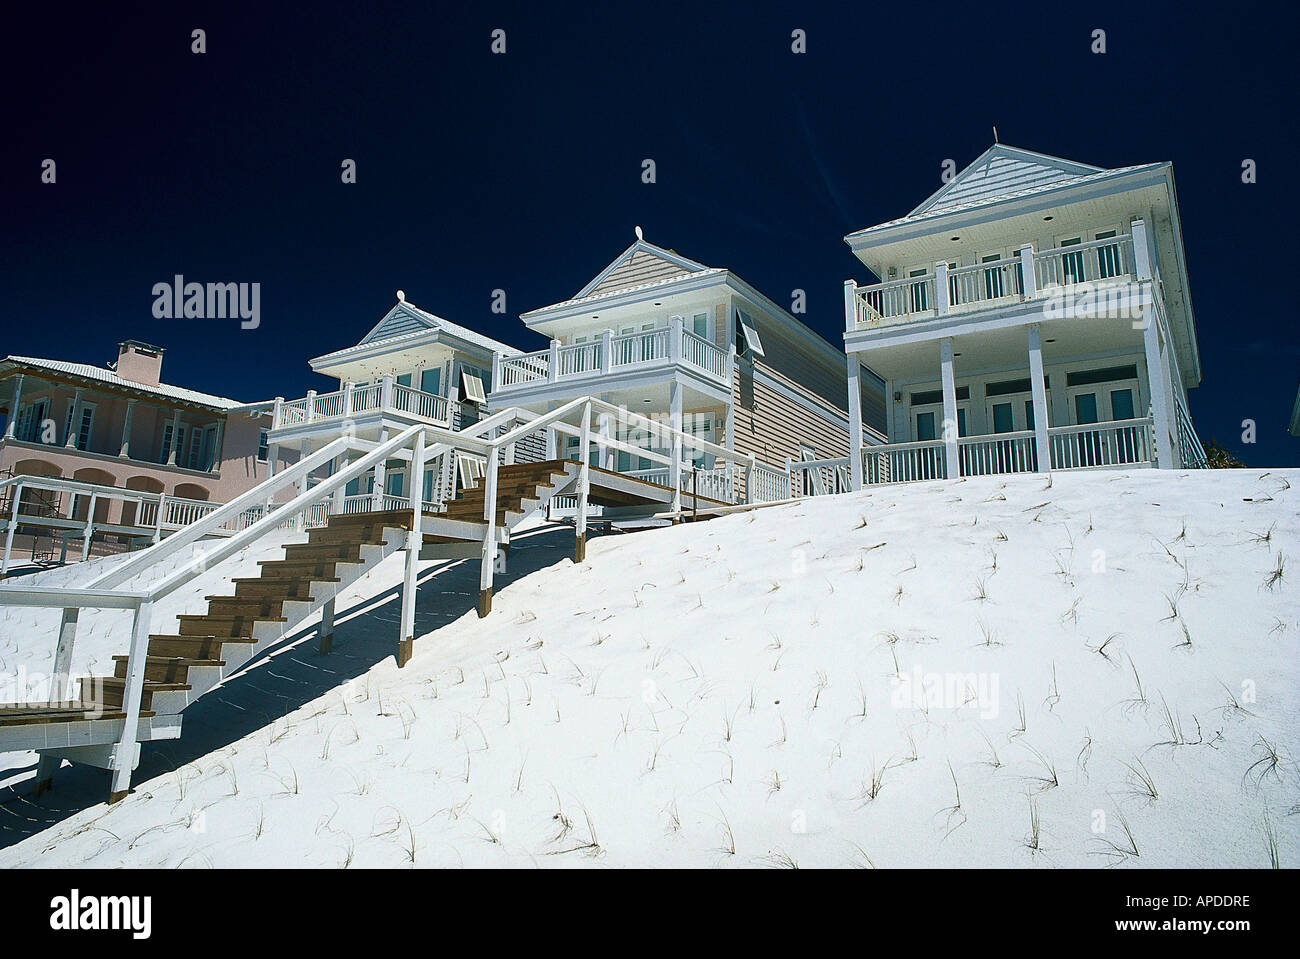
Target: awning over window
[
  {"x": 473, "y": 388},
  {"x": 750, "y": 332}
]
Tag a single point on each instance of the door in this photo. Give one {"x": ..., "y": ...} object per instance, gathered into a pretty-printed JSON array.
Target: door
[
  {"x": 917, "y": 292},
  {"x": 1104, "y": 403},
  {"x": 1072, "y": 270},
  {"x": 1013, "y": 414}
]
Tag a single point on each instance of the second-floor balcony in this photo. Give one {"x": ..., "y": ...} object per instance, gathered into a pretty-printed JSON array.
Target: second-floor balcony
[
  {"x": 668, "y": 349},
  {"x": 386, "y": 398},
  {"x": 1033, "y": 275}
]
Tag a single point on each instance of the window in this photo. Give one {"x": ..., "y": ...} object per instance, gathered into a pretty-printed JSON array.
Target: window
[
  {"x": 84, "y": 426},
  {"x": 919, "y": 293},
  {"x": 1109, "y": 257},
  {"x": 404, "y": 379},
  {"x": 431, "y": 380},
  {"x": 1088, "y": 377},
  {"x": 394, "y": 483},
  {"x": 747, "y": 335},
  {"x": 31, "y": 422},
  {"x": 472, "y": 380},
  {"x": 167, "y": 443},
  {"x": 263, "y": 448},
  {"x": 936, "y": 396},
  {"x": 924, "y": 427},
  {"x": 700, "y": 325}
]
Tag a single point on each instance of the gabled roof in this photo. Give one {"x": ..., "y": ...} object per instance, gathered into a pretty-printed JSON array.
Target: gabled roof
[
  {"x": 109, "y": 377},
  {"x": 1001, "y": 170},
  {"x": 640, "y": 264},
  {"x": 1004, "y": 173},
  {"x": 406, "y": 319}
]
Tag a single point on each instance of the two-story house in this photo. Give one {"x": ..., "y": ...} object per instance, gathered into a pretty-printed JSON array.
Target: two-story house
[
  {"x": 691, "y": 346},
  {"x": 1033, "y": 313},
  {"x": 121, "y": 426},
  {"x": 411, "y": 367}
]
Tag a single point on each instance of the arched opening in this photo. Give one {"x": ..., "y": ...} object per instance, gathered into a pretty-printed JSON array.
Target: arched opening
[
  {"x": 131, "y": 512},
  {"x": 190, "y": 491},
  {"x": 38, "y": 502},
  {"x": 81, "y": 503}
]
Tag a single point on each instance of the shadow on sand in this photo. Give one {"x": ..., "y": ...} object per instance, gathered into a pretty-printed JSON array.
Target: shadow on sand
[{"x": 280, "y": 680}]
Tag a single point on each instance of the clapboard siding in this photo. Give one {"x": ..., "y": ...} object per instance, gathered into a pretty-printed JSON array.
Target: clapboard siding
[
  {"x": 770, "y": 425},
  {"x": 641, "y": 267},
  {"x": 399, "y": 322}
]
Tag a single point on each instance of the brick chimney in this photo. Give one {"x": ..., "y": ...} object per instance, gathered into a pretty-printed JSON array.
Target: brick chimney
[{"x": 139, "y": 362}]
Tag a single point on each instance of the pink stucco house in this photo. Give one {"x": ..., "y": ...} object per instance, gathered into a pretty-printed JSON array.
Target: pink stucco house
[{"x": 120, "y": 425}]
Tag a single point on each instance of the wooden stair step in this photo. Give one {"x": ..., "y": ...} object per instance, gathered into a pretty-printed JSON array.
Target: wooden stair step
[
  {"x": 32, "y": 714},
  {"x": 112, "y": 689},
  {"x": 196, "y": 647},
  {"x": 164, "y": 669}
]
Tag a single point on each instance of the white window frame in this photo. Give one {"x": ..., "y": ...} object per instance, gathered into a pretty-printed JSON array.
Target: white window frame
[{"x": 748, "y": 332}]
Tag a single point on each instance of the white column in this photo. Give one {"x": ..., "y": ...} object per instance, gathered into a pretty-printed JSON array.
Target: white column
[
  {"x": 488, "y": 560},
  {"x": 347, "y": 399},
  {"x": 386, "y": 392},
  {"x": 1028, "y": 278},
  {"x": 340, "y": 494},
  {"x": 1141, "y": 250},
  {"x": 605, "y": 455},
  {"x": 1041, "y": 445},
  {"x": 13, "y": 525},
  {"x": 1158, "y": 387},
  {"x": 675, "y": 340},
  {"x": 675, "y": 422},
  {"x": 850, "y": 306},
  {"x": 496, "y": 373},
  {"x": 606, "y": 351},
  {"x": 125, "y": 451},
  {"x": 553, "y": 362},
  {"x": 310, "y": 411},
  {"x": 855, "y": 421},
  {"x": 377, "y": 494},
  {"x": 414, "y": 542},
  {"x": 552, "y": 440},
  {"x": 176, "y": 437},
  {"x": 60, "y": 680},
  {"x": 327, "y": 627},
  {"x": 949, "y": 408},
  {"x": 158, "y": 519},
  {"x": 584, "y": 481},
  {"x": 125, "y": 751},
  {"x": 12, "y": 426},
  {"x": 941, "y": 303},
  {"x": 74, "y": 426},
  {"x": 90, "y": 527}
]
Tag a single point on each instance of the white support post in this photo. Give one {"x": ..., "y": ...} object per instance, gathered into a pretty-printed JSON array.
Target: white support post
[
  {"x": 340, "y": 494},
  {"x": 1141, "y": 251},
  {"x": 604, "y": 427},
  {"x": 584, "y": 486},
  {"x": 414, "y": 541},
  {"x": 675, "y": 422},
  {"x": 275, "y": 415},
  {"x": 13, "y": 525},
  {"x": 949, "y": 408},
  {"x": 158, "y": 520},
  {"x": 310, "y": 411},
  {"x": 347, "y": 399},
  {"x": 486, "y": 566},
  {"x": 1041, "y": 446},
  {"x": 552, "y": 438},
  {"x": 377, "y": 494},
  {"x": 496, "y": 373},
  {"x": 60, "y": 675},
  {"x": 386, "y": 392},
  {"x": 74, "y": 422},
  {"x": 125, "y": 753},
  {"x": 90, "y": 527},
  {"x": 850, "y": 306},
  {"x": 749, "y": 482},
  {"x": 675, "y": 324},
  {"x": 941, "y": 303},
  {"x": 327, "y": 627},
  {"x": 301, "y": 521},
  {"x": 11, "y": 428},
  {"x": 553, "y": 362},
  {"x": 855, "y": 420},
  {"x": 1028, "y": 278},
  {"x": 606, "y": 351},
  {"x": 1158, "y": 388}
]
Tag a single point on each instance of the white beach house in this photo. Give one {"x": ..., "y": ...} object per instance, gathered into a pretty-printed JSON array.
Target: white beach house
[{"x": 1033, "y": 312}]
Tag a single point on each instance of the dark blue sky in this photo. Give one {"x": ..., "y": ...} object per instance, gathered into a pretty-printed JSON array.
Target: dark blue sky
[{"x": 522, "y": 171}]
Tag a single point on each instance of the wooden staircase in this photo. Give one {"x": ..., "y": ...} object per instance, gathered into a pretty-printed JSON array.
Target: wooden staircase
[
  {"x": 522, "y": 489},
  {"x": 207, "y": 647}
]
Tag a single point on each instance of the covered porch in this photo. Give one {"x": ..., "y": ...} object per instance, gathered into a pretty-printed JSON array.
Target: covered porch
[{"x": 1019, "y": 393}]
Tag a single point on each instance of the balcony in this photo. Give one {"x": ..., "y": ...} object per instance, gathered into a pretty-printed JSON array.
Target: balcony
[
  {"x": 387, "y": 398},
  {"x": 667, "y": 349},
  {"x": 1034, "y": 275}
]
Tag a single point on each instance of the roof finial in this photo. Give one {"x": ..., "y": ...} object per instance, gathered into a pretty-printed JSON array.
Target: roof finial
[
  {"x": 401, "y": 297},
  {"x": 639, "y": 234},
  {"x": 995, "y": 135}
]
